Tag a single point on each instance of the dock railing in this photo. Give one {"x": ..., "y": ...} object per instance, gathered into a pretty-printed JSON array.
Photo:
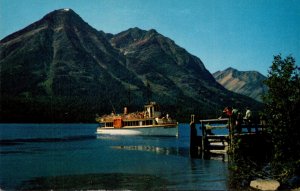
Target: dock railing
[
  {"x": 211, "y": 141},
  {"x": 207, "y": 126}
]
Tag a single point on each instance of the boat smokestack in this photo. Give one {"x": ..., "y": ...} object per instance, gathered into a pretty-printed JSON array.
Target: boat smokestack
[{"x": 125, "y": 110}]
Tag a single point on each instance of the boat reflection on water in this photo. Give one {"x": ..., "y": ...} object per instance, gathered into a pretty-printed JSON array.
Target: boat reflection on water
[
  {"x": 160, "y": 150},
  {"x": 154, "y": 149}
]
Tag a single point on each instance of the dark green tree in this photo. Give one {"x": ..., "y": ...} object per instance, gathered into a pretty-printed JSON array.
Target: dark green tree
[{"x": 282, "y": 107}]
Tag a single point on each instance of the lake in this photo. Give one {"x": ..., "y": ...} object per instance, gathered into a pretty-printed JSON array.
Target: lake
[{"x": 71, "y": 156}]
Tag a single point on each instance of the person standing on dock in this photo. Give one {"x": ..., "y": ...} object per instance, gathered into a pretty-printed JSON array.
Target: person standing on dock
[
  {"x": 231, "y": 123},
  {"x": 229, "y": 113},
  {"x": 234, "y": 119},
  {"x": 238, "y": 122},
  {"x": 248, "y": 119}
]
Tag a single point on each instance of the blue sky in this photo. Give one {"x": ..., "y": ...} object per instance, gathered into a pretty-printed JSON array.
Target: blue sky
[{"x": 243, "y": 34}]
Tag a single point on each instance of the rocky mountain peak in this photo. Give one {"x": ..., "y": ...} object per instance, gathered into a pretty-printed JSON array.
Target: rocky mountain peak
[
  {"x": 127, "y": 37},
  {"x": 230, "y": 69},
  {"x": 61, "y": 14},
  {"x": 56, "y": 20},
  {"x": 249, "y": 83}
]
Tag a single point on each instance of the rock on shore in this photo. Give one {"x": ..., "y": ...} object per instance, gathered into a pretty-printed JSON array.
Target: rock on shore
[{"x": 265, "y": 184}]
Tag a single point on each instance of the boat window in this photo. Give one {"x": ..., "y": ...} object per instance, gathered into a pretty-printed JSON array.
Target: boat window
[
  {"x": 147, "y": 122},
  {"x": 131, "y": 123},
  {"x": 109, "y": 124}
]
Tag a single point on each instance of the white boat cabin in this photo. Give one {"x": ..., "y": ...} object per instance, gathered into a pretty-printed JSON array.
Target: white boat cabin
[{"x": 151, "y": 116}]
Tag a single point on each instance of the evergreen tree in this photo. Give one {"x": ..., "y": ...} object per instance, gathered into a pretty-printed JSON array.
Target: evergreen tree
[{"x": 283, "y": 111}]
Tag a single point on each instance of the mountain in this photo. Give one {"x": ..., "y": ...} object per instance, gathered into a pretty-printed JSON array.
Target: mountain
[
  {"x": 171, "y": 71},
  {"x": 249, "y": 83},
  {"x": 55, "y": 60},
  {"x": 60, "y": 69},
  {"x": 60, "y": 55}
]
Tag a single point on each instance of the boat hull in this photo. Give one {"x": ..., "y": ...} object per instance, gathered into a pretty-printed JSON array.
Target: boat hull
[{"x": 170, "y": 131}]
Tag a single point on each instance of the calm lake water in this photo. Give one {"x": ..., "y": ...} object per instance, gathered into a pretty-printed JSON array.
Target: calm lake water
[{"x": 71, "y": 156}]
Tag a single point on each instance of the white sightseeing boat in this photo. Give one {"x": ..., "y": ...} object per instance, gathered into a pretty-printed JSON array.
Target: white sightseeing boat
[{"x": 149, "y": 122}]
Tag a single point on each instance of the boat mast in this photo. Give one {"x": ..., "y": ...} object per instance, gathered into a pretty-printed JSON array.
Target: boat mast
[
  {"x": 149, "y": 93},
  {"x": 114, "y": 110},
  {"x": 128, "y": 82}
]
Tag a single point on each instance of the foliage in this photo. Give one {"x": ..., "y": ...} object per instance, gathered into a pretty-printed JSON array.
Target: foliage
[
  {"x": 282, "y": 105},
  {"x": 249, "y": 160}
]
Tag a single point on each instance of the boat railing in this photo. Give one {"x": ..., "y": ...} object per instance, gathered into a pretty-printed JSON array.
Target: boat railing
[{"x": 165, "y": 120}]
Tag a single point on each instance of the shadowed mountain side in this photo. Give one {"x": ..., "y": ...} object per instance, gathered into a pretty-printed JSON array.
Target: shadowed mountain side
[
  {"x": 171, "y": 70},
  {"x": 60, "y": 69}
]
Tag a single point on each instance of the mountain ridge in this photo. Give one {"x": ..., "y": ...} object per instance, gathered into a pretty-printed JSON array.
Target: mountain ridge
[
  {"x": 62, "y": 63},
  {"x": 249, "y": 83}
]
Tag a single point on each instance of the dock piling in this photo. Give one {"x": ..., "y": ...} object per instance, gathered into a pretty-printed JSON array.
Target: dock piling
[
  {"x": 195, "y": 140},
  {"x": 208, "y": 142}
]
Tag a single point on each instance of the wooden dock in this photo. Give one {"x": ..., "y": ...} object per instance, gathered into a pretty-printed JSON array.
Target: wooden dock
[{"x": 209, "y": 143}]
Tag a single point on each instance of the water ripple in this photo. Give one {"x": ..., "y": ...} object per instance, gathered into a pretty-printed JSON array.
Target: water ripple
[{"x": 13, "y": 142}]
